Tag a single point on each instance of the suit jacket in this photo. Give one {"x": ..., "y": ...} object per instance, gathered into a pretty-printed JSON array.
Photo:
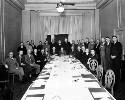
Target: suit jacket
[
  {"x": 116, "y": 49},
  {"x": 12, "y": 64},
  {"x": 42, "y": 58},
  {"x": 67, "y": 47},
  {"x": 39, "y": 48},
  {"x": 97, "y": 49},
  {"x": 85, "y": 58},
  {"x": 91, "y": 46},
  {"x": 94, "y": 57},
  {"x": 86, "y": 44},
  {"x": 72, "y": 53},
  {"x": 36, "y": 57},
  {"x": 29, "y": 60},
  {"x": 77, "y": 54},
  {"x": 62, "y": 53},
  {"x": 58, "y": 48},
  {"x": 20, "y": 59},
  {"x": 23, "y": 49}
]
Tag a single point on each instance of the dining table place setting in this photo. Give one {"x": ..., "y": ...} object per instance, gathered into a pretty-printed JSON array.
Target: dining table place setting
[{"x": 63, "y": 80}]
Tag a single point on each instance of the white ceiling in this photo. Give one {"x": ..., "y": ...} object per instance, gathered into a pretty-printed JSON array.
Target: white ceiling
[
  {"x": 52, "y": 4},
  {"x": 59, "y": 0}
]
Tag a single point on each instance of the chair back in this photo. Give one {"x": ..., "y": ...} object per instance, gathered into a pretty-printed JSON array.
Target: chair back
[
  {"x": 109, "y": 79},
  {"x": 93, "y": 64},
  {"x": 100, "y": 73}
]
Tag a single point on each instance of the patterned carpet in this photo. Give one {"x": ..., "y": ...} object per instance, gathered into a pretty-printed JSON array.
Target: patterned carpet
[{"x": 19, "y": 89}]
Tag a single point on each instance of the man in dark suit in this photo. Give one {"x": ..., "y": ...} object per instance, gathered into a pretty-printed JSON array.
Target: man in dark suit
[
  {"x": 21, "y": 60},
  {"x": 77, "y": 53},
  {"x": 81, "y": 56},
  {"x": 93, "y": 55},
  {"x": 22, "y": 48},
  {"x": 59, "y": 45},
  {"x": 13, "y": 66},
  {"x": 29, "y": 59},
  {"x": 85, "y": 58},
  {"x": 116, "y": 53},
  {"x": 67, "y": 46},
  {"x": 72, "y": 52},
  {"x": 46, "y": 46},
  {"x": 43, "y": 58},
  {"x": 86, "y": 43},
  {"x": 52, "y": 44},
  {"x": 39, "y": 47}
]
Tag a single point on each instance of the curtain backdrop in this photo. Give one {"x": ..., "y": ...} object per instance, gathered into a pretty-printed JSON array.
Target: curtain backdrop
[
  {"x": 53, "y": 25},
  {"x": 37, "y": 26}
]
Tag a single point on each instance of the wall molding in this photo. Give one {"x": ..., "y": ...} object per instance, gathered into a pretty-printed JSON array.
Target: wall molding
[
  {"x": 16, "y": 4},
  {"x": 103, "y": 4}
]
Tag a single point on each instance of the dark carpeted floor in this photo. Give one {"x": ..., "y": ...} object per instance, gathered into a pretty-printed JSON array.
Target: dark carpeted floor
[{"x": 19, "y": 89}]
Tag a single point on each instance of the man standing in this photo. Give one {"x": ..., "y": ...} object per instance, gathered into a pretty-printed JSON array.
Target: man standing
[
  {"x": 91, "y": 44},
  {"x": 39, "y": 47},
  {"x": 116, "y": 53},
  {"x": 67, "y": 46},
  {"x": 86, "y": 42},
  {"x": 102, "y": 52},
  {"x": 22, "y": 48},
  {"x": 107, "y": 54}
]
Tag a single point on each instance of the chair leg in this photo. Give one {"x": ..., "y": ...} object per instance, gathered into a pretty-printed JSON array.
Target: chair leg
[
  {"x": 112, "y": 92},
  {"x": 13, "y": 79}
]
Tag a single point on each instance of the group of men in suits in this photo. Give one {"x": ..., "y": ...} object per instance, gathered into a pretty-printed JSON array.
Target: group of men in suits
[{"x": 107, "y": 53}]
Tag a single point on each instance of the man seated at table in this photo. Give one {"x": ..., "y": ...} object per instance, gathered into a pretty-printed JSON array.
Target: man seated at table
[
  {"x": 43, "y": 58},
  {"x": 72, "y": 52},
  {"x": 85, "y": 57},
  {"x": 36, "y": 56},
  {"x": 54, "y": 51},
  {"x": 29, "y": 59},
  {"x": 21, "y": 60},
  {"x": 47, "y": 54},
  {"x": 62, "y": 52},
  {"x": 77, "y": 53},
  {"x": 13, "y": 67},
  {"x": 93, "y": 55}
]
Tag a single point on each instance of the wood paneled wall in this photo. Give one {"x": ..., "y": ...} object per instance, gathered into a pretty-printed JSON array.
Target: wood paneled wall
[
  {"x": 112, "y": 21},
  {"x": 10, "y": 33}
]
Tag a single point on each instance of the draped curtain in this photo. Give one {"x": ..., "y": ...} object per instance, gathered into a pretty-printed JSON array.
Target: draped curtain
[
  {"x": 53, "y": 25},
  {"x": 36, "y": 26}
]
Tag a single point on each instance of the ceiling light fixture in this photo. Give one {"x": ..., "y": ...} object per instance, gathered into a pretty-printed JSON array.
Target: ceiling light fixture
[{"x": 60, "y": 7}]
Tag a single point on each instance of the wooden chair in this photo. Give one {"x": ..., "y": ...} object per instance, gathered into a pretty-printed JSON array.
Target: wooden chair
[
  {"x": 5, "y": 82},
  {"x": 99, "y": 73},
  {"x": 93, "y": 64},
  {"x": 3, "y": 75},
  {"x": 13, "y": 77},
  {"x": 110, "y": 80}
]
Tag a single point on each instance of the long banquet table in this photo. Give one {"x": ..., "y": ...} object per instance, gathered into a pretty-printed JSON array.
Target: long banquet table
[{"x": 64, "y": 78}]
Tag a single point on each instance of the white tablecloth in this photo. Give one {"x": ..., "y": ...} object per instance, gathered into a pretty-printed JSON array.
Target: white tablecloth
[{"x": 65, "y": 82}]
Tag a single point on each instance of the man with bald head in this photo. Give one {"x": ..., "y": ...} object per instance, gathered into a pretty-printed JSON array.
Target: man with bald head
[{"x": 13, "y": 67}]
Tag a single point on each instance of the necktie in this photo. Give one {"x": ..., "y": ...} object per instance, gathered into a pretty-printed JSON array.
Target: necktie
[{"x": 20, "y": 59}]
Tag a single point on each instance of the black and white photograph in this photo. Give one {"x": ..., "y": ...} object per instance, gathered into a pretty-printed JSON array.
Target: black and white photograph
[{"x": 62, "y": 50}]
